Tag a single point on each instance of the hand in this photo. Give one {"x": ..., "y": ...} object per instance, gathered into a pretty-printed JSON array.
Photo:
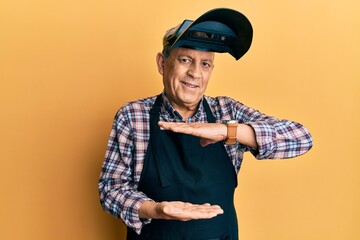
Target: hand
[
  {"x": 208, "y": 132},
  {"x": 177, "y": 210}
]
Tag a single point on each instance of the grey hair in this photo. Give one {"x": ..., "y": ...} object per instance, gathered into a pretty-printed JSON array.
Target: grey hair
[{"x": 166, "y": 46}]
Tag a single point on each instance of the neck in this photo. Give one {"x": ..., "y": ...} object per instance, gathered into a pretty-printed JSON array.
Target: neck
[{"x": 185, "y": 111}]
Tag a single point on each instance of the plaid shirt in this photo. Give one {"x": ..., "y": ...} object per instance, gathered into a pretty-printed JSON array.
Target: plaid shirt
[{"x": 130, "y": 136}]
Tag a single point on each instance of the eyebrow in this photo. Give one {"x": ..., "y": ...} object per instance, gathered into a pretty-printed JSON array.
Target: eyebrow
[{"x": 189, "y": 56}]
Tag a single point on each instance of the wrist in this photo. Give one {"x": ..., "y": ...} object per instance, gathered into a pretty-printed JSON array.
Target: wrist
[
  {"x": 148, "y": 210},
  {"x": 232, "y": 131}
]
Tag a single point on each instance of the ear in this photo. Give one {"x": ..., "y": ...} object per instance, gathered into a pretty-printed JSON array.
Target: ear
[{"x": 160, "y": 61}]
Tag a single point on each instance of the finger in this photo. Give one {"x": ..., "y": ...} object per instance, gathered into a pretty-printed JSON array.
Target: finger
[
  {"x": 186, "y": 128},
  {"x": 173, "y": 125},
  {"x": 206, "y": 213},
  {"x": 186, "y": 211},
  {"x": 203, "y": 211}
]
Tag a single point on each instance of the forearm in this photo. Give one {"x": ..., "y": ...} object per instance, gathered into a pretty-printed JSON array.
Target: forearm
[
  {"x": 213, "y": 132},
  {"x": 270, "y": 138},
  {"x": 246, "y": 136}
]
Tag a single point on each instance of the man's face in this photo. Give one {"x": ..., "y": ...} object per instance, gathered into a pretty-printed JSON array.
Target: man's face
[{"x": 186, "y": 73}]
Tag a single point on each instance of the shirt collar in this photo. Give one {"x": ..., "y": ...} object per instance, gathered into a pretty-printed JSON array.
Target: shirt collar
[{"x": 172, "y": 115}]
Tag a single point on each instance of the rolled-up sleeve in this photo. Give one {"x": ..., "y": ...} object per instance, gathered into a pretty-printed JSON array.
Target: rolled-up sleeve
[
  {"x": 117, "y": 188},
  {"x": 276, "y": 138},
  {"x": 280, "y": 139}
]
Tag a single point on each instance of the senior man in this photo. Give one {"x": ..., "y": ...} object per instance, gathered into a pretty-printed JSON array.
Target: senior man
[{"x": 172, "y": 160}]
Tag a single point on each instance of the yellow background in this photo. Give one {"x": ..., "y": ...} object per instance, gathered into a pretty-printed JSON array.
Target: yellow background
[{"x": 66, "y": 67}]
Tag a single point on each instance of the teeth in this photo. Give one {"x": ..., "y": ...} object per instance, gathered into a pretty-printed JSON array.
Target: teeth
[{"x": 190, "y": 85}]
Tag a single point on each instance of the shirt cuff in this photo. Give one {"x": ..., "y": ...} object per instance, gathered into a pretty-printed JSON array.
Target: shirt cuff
[
  {"x": 131, "y": 216},
  {"x": 265, "y": 135}
]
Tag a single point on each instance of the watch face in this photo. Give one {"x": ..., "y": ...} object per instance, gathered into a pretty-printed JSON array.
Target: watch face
[{"x": 229, "y": 121}]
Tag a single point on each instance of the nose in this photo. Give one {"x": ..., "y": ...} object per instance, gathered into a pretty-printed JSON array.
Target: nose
[{"x": 194, "y": 70}]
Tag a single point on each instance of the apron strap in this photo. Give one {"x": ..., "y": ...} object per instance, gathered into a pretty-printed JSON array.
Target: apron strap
[
  {"x": 154, "y": 141},
  {"x": 209, "y": 114}
]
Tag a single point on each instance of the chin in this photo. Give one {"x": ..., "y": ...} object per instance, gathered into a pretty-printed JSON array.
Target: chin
[{"x": 190, "y": 101}]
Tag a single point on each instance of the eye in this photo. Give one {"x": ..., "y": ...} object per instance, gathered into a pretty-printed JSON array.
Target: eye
[
  {"x": 206, "y": 64},
  {"x": 185, "y": 60}
]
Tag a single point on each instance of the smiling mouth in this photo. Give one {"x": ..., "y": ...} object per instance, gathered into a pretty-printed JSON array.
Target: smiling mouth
[{"x": 189, "y": 85}]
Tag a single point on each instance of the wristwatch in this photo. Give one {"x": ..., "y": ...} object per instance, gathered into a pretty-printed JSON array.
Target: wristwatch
[{"x": 231, "y": 131}]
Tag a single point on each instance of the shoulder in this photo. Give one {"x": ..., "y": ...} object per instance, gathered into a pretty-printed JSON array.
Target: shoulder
[
  {"x": 139, "y": 104},
  {"x": 223, "y": 107},
  {"x": 136, "y": 108},
  {"x": 219, "y": 101}
]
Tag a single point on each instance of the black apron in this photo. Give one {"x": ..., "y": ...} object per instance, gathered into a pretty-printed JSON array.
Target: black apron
[{"x": 178, "y": 168}]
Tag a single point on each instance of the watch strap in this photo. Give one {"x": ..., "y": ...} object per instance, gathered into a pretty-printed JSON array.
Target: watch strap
[{"x": 231, "y": 133}]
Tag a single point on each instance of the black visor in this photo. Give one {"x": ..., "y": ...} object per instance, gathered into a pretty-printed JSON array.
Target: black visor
[{"x": 219, "y": 30}]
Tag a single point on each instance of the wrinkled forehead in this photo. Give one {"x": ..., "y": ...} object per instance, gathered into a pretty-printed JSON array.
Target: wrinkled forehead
[{"x": 192, "y": 53}]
